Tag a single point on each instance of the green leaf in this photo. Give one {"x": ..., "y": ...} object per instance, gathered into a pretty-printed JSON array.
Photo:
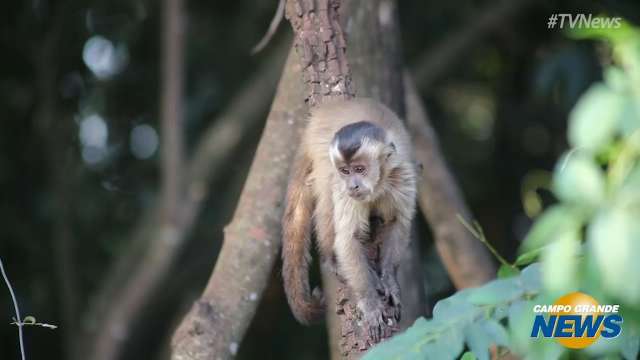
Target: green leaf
[
  {"x": 407, "y": 345},
  {"x": 448, "y": 345},
  {"x": 578, "y": 180},
  {"x": 613, "y": 238},
  {"x": 616, "y": 78},
  {"x": 531, "y": 278},
  {"x": 520, "y": 323},
  {"x": 506, "y": 270},
  {"x": 468, "y": 356},
  {"x": 556, "y": 219},
  {"x": 496, "y": 332},
  {"x": 496, "y": 291},
  {"x": 630, "y": 347},
  {"x": 629, "y": 121},
  {"x": 456, "y": 306},
  {"x": 560, "y": 263},
  {"x": 528, "y": 257},
  {"x": 478, "y": 341},
  {"x": 594, "y": 119}
]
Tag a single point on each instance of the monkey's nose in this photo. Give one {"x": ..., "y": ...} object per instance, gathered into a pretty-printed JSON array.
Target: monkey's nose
[{"x": 354, "y": 187}]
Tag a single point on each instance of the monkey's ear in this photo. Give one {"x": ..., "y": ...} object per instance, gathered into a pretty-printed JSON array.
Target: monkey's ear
[{"x": 390, "y": 150}]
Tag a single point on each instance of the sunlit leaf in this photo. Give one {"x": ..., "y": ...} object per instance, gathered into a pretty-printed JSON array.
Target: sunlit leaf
[
  {"x": 468, "y": 356},
  {"x": 506, "y": 270},
  {"x": 594, "y": 119},
  {"x": 560, "y": 263},
  {"x": 613, "y": 238},
  {"x": 578, "y": 180},
  {"x": 528, "y": 257},
  {"x": 554, "y": 220}
]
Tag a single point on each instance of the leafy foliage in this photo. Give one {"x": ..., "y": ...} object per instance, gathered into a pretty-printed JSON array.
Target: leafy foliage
[{"x": 588, "y": 241}]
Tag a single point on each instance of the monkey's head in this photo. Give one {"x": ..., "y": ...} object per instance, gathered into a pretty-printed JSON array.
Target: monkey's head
[{"x": 359, "y": 151}]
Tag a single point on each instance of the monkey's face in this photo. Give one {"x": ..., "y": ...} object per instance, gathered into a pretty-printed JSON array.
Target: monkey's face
[{"x": 359, "y": 179}]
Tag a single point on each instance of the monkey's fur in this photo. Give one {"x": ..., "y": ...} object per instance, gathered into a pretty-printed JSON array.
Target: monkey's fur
[{"x": 355, "y": 169}]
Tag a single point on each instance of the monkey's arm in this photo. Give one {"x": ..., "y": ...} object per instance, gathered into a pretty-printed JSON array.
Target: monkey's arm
[
  {"x": 396, "y": 233},
  {"x": 351, "y": 221},
  {"x": 296, "y": 238}
]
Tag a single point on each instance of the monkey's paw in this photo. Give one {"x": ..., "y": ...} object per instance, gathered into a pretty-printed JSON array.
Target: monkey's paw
[
  {"x": 392, "y": 293},
  {"x": 372, "y": 310}
]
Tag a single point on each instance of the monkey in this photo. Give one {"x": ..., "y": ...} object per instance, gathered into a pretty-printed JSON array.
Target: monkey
[{"x": 354, "y": 171}]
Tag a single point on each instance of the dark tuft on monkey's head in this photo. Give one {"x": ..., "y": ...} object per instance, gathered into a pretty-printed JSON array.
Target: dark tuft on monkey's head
[{"x": 349, "y": 138}]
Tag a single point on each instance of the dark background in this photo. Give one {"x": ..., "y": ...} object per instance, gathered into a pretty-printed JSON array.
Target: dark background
[{"x": 500, "y": 109}]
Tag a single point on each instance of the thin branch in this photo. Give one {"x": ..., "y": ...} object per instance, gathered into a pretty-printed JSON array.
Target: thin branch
[
  {"x": 478, "y": 233},
  {"x": 16, "y": 309},
  {"x": 171, "y": 111},
  {"x": 275, "y": 22}
]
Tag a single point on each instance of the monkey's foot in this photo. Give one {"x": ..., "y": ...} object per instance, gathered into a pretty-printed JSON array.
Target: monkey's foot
[
  {"x": 392, "y": 293},
  {"x": 372, "y": 310}
]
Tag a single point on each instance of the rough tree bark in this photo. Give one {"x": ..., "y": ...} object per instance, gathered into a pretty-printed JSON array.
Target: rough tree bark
[
  {"x": 320, "y": 44},
  {"x": 467, "y": 261},
  {"x": 217, "y": 322}
]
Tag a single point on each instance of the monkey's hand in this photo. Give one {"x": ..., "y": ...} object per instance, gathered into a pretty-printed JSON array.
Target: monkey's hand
[
  {"x": 392, "y": 292},
  {"x": 372, "y": 310}
]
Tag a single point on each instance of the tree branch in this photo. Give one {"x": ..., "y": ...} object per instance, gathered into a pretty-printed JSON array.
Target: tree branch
[
  {"x": 217, "y": 322},
  {"x": 465, "y": 258},
  {"x": 171, "y": 112}
]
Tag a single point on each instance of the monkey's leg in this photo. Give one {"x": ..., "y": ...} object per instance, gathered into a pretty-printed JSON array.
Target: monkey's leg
[
  {"x": 395, "y": 238},
  {"x": 351, "y": 225}
]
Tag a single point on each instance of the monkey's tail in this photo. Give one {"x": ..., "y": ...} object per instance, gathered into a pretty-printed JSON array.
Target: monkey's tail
[{"x": 296, "y": 229}]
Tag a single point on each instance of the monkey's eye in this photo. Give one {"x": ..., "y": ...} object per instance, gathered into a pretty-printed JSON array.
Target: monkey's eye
[
  {"x": 359, "y": 169},
  {"x": 344, "y": 170}
]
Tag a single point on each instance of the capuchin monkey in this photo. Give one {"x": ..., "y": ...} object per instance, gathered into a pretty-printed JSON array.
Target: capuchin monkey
[{"x": 355, "y": 170}]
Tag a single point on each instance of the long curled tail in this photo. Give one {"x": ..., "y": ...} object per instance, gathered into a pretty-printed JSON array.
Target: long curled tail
[{"x": 296, "y": 228}]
